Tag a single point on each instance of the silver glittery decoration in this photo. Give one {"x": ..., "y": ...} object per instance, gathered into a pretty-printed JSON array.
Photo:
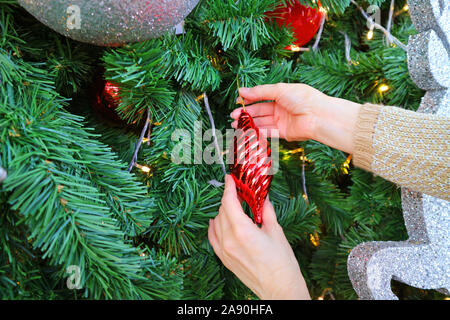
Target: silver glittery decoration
[
  {"x": 422, "y": 261},
  {"x": 110, "y": 22}
]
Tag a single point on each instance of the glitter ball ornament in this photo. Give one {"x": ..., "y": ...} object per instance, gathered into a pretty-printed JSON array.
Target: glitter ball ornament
[
  {"x": 251, "y": 167},
  {"x": 304, "y": 21},
  {"x": 110, "y": 22}
]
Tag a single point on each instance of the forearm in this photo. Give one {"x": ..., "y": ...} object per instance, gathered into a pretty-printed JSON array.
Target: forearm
[
  {"x": 295, "y": 289},
  {"x": 336, "y": 120},
  {"x": 405, "y": 147}
]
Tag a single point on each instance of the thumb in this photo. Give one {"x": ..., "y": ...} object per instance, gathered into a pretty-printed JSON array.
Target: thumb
[
  {"x": 269, "y": 215},
  {"x": 230, "y": 196},
  {"x": 230, "y": 201},
  {"x": 230, "y": 186}
]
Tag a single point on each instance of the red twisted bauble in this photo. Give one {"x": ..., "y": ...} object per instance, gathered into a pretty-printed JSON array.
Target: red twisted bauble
[
  {"x": 304, "y": 21},
  {"x": 251, "y": 167}
]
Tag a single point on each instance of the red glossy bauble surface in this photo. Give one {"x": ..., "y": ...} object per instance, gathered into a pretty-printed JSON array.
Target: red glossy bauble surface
[
  {"x": 106, "y": 99},
  {"x": 251, "y": 168},
  {"x": 304, "y": 21}
]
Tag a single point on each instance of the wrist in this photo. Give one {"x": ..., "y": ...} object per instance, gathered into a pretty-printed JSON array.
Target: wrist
[
  {"x": 335, "y": 123},
  {"x": 290, "y": 285},
  {"x": 294, "y": 290}
]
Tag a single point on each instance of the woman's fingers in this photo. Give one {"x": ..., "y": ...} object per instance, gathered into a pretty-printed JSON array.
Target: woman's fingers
[
  {"x": 241, "y": 100},
  {"x": 268, "y": 131},
  {"x": 213, "y": 239},
  {"x": 259, "y": 93},
  {"x": 232, "y": 207},
  {"x": 262, "y": 122},
  {"x": 269, "y": 215},
  {"x": 212, "y": 236},
  {"x": 221, "y": 224},
  {"x": 256, "y": 110}
]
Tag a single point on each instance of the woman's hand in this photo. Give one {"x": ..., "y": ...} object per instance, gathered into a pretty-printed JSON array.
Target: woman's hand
[
  {"x": 260, "y": 257},
  {"x": 301, "y": 112}
]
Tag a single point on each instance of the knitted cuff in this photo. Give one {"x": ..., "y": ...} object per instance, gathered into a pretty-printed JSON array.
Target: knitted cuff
[{"x": 363, "y": 136}]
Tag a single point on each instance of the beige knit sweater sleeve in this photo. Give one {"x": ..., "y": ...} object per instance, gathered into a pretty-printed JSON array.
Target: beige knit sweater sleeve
[{"x": 408, "y": 148}]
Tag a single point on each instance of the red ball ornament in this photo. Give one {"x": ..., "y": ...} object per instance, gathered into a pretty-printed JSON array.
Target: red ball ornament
[
  {"x": 111, "y": 94},
  {"x": 106, "y": 99},
  {"x": 251, "y": 167},
  {"x": 304, "y": 21}
]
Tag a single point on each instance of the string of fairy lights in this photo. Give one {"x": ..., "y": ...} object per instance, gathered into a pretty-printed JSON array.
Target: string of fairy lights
[
  {"x": 391, "y": 40},
  {"x": 382, "y": 87},
  {"x": 3, "y": 174}
]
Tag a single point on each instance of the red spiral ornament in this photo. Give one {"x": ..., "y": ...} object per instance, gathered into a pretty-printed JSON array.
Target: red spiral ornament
[{"x": 251, "y": 166}]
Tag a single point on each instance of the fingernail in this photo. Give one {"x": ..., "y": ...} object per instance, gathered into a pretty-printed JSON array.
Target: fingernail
[
  {"x": 235, "y": 114},
  {"x": 244, "y": 90}
]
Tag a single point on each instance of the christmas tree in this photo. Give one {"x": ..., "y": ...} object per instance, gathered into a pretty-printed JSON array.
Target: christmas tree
[{"x": 72, "y": 116}]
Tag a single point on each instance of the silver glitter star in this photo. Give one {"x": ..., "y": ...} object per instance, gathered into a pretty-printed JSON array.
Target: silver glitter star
[{"x": 423, "y": 261}]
